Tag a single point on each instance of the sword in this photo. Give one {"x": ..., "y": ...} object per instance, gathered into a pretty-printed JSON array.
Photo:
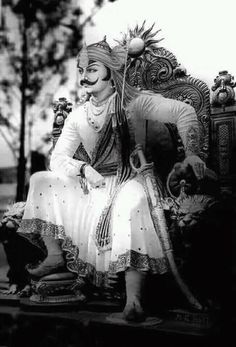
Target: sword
[{"x": 146, "y": 170}]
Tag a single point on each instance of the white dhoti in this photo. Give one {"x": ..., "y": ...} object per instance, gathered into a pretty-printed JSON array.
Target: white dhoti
[{"x": 57, "y": 206}]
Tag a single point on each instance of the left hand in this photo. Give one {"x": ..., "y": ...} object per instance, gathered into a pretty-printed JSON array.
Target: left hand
[
  {"x": 94, "y": 178},
  {"x": 197, "y": 165}
]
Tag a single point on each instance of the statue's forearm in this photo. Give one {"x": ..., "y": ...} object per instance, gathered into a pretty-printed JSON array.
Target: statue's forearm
[{"x": 192, "y": 141}]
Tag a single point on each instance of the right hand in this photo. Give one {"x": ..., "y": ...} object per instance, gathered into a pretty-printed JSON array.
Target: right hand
[
  {"x": 95, "y": 179},
  {"x": 197, "y": 164}
]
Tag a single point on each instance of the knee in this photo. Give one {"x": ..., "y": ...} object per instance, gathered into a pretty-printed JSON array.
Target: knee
[
  {"x": 40, "y": 177},
  {"x": 132, "y": 193}
]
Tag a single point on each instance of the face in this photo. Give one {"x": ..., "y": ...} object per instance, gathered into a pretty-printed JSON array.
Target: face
[{"x": 92, "y": 77}]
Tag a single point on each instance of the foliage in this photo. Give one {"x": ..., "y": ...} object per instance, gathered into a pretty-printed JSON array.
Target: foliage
[
  {"x": 37, "y": 38},
  {"x": 54, "y": 35},
  {"x": 48, "y": 42}
]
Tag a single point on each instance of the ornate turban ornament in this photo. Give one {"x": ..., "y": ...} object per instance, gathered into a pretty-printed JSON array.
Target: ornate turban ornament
[{"x": 83, "y": 58}]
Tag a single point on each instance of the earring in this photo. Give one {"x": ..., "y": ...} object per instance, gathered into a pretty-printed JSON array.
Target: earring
[{"x": 113, "y": 85}]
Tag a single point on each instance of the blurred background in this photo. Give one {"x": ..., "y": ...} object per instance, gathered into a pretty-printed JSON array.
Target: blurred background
[{"x": 39, "y": 41}]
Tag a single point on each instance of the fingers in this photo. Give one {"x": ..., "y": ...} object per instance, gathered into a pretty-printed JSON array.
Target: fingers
[
  {"x": 95, "y": 179},
  {"x": 11, "y": 291},
  {"x": 199, "y": 170},
  {"x": 197, "y": 165}
]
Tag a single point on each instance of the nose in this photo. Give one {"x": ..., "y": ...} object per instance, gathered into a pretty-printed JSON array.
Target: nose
[
  {"x": 83, "y": 75},
  {"x": 187, "y": 221}
]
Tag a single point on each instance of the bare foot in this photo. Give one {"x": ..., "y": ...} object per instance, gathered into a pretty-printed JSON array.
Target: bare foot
[
  {"x": 50, "y": 265},
  {"x": 25, "y": 292},
  {"x": 11, "y": 291},
  {"x": 133, "y": 311}
]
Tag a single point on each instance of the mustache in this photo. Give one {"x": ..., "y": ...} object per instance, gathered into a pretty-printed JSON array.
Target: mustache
[{"x": 89, "y": 83}]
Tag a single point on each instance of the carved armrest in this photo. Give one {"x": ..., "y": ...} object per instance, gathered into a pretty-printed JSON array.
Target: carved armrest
[
  {"x": 61, "y": 109},
  {"x": 182, "y": 181}
]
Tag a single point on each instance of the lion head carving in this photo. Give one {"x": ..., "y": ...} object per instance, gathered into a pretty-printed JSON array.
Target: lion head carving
[
  {"x": 199, "y": 244},
  {"x": 192, "y": 209}
]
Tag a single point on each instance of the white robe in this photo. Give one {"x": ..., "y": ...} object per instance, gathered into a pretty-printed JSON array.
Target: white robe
[{"x": 56, "y": 204}]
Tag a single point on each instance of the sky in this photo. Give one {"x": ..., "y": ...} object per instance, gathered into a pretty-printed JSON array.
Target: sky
[{"x": 201, "y": 34}]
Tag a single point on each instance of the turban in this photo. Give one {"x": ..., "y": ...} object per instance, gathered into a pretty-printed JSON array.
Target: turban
[{"x": 102, "y": 52}]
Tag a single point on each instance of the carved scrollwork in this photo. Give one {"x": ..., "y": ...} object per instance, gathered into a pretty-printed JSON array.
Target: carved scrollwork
[
  {"x": 157, "y": 69},
  {"x": 160, "y": 67},
  {"x": 152, "y": 68},
  {"x": 162, "y": 52},
  {"x": 165, "y": 76},
  {"x": 61, "y": 109}
]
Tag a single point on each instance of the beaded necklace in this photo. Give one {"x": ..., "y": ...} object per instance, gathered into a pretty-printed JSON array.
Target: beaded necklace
[{"x": 95, "y": 114}]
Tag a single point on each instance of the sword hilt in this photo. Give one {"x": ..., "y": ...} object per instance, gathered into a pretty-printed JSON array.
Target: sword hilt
[{"x": 138, "y": 152}]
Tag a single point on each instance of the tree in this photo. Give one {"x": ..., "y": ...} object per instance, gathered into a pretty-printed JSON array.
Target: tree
[{"x": 37, "y": 39}]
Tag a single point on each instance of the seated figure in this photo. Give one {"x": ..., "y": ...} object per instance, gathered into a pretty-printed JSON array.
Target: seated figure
[{"x": 100, "y": 208}]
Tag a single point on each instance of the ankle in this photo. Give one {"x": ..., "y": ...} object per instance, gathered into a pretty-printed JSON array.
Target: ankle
[
  {"x": 59, "y": 254},
  {"x": 134, "y": 298}
]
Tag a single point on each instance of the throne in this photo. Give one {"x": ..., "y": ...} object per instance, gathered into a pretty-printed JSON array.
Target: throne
[{"x": 158, "y": 70}]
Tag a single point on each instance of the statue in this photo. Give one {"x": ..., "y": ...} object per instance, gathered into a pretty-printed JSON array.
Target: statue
[{"x": 105, "y": 208}]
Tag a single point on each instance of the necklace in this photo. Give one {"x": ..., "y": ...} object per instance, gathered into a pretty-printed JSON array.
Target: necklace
[
  {"x": 96, "y": 123},
  {"x": 96, "y": 115},
  {"x": 98, "y": 107},
  {"x": 101, "y": 102},
  {"x": 97, "y": 110}
]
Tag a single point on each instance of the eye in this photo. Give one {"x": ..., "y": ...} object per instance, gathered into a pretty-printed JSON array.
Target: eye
[
  {"x": 80, "y": 71},
  {"x": 90, "y": 69}
]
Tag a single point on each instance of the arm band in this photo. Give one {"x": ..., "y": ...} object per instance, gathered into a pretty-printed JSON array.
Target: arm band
[{"x": 81, "y": 171}]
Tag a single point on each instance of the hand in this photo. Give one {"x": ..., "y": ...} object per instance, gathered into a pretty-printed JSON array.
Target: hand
[
  {"x": 94, "y": 178},
  {"x": 197, "y": 165}
]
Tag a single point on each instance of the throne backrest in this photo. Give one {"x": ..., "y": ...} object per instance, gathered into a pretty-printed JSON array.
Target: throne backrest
[{"x": 158, "y": 70}]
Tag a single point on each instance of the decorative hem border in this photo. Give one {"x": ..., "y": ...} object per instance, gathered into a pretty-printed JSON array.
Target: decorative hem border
[{"x": 131, "y": 258}]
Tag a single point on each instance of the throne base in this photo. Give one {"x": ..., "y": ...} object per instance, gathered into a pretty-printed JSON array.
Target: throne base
[{"x": 58, "y": 288}]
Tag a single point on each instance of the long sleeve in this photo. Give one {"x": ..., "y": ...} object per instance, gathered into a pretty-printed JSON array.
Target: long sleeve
[
  {"x": 62, "y": 157},
  {"x": 156, "y": 107}
]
